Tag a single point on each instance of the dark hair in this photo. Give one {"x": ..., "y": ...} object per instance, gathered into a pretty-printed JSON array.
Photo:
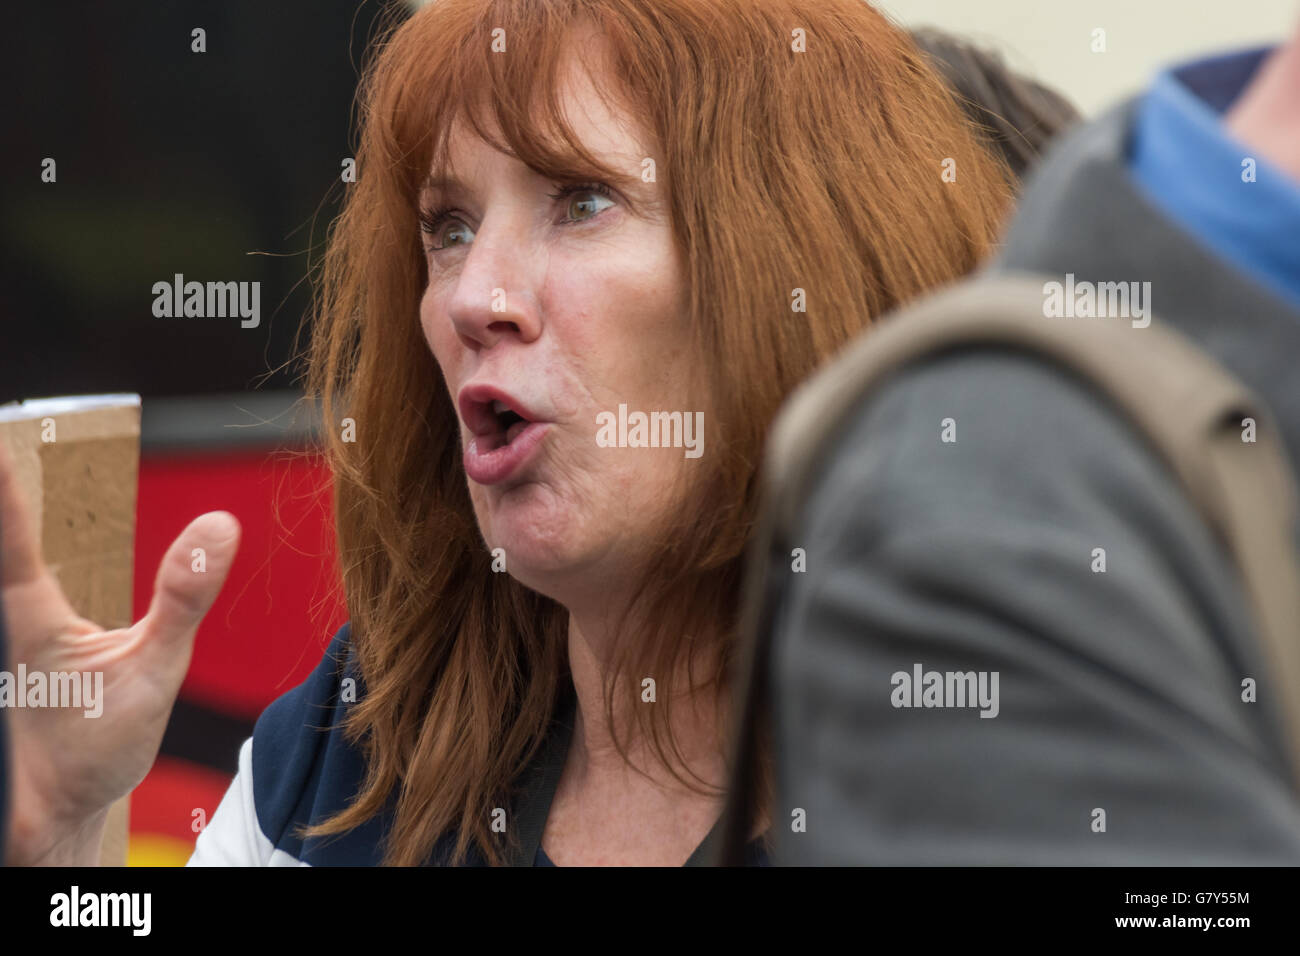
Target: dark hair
[{"x": 1017, "y": 115}]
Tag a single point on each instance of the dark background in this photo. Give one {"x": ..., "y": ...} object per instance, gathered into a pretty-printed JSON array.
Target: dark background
[{"x": 223, "y": 166}]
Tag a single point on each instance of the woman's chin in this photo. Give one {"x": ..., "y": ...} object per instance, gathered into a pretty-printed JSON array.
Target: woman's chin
[
  {"x": 560, "y": 566},
  {"x": 533, "y": 544},
  {"x": 548, "y": 574},
  {"x": 549, "y": 545}
]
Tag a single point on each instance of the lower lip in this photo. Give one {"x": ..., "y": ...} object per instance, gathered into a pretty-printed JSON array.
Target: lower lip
[{"x": 496, "y": 466}]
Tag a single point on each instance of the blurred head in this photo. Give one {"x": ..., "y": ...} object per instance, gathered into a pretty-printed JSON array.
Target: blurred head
[
  {"x": 563, "y": 208},
  {"x": 1017, "y": 115}
]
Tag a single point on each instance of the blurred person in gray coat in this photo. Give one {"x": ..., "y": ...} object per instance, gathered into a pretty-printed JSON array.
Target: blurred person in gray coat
[{"x": 1110, "y": 726}]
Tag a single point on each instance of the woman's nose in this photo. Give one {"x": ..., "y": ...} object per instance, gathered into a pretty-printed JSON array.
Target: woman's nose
[{"x": 495, "y": 293}]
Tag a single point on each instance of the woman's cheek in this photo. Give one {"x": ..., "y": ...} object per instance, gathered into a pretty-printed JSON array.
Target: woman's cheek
[{"x": 439, "y": 336}]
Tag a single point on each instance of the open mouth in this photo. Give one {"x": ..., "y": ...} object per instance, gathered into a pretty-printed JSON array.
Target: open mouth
[
  {"x": 493, "y": 417},
  {"x": 506, "y": 433},
  {"x": 509, "y": 424}
]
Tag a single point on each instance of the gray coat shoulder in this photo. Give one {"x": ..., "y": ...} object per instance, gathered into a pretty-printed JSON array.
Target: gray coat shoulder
[{"x": 1045, "y": 545}]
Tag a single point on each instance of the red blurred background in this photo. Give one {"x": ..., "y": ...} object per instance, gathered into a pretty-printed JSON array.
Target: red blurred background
[
  {"x": 269, "y": 627},
  {"x": 222, "y": 165}
]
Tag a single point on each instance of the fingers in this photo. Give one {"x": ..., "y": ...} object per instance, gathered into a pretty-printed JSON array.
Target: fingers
[
  {"x": 190, "y": 577},
  {"x": 20, "y": 554}
]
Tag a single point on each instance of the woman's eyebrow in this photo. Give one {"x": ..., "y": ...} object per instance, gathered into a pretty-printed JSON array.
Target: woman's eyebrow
[
  {"x": 444, "y": 187},
  {"x": 441, "y": 184}
]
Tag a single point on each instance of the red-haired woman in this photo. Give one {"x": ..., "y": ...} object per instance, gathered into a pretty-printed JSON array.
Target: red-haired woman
[{"x": 592, "y": 246}]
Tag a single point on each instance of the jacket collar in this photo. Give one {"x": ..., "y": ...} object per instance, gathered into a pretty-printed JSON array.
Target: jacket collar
[{"x": 1082, "y": 213}]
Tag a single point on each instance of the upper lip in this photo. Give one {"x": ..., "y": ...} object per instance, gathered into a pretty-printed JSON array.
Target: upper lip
[{"x": 475, "y": 404}]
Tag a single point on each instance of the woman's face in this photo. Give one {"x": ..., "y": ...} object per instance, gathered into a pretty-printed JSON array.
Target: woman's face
[{"x": 564, "y": 302}]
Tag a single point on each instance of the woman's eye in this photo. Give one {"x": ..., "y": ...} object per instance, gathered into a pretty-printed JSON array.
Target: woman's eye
[
  {"x": 452, "y": 232},
  {"x": 444, "y": 230},
  {"x": 585, "y": 203}
]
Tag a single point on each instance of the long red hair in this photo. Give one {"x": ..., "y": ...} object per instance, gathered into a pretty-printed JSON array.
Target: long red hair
[{"x": 817, "y": 169}]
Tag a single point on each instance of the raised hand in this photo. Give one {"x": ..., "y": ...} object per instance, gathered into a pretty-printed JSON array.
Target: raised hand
[{"x": 67, "y": 768}]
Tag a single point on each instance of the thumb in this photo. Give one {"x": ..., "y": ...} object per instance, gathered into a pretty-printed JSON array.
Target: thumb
[{"x": 190, "y": 577}]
